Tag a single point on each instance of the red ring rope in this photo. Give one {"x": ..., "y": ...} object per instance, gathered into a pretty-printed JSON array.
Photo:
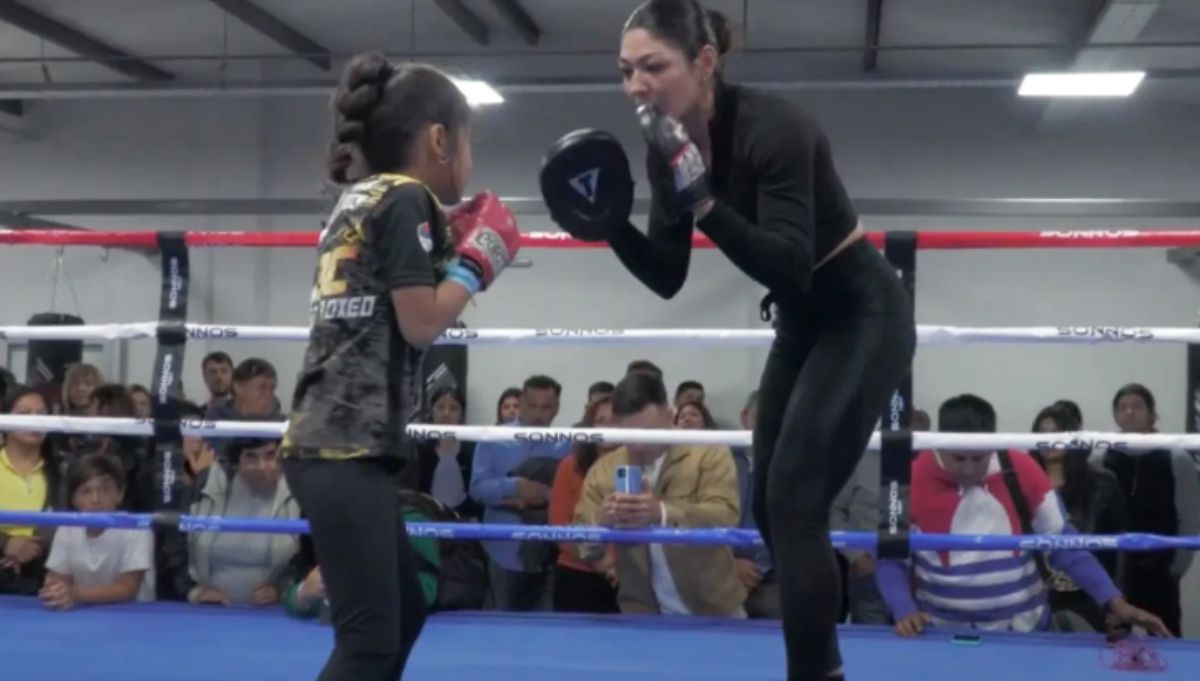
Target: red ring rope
[{"x": 1084, "y": 238}]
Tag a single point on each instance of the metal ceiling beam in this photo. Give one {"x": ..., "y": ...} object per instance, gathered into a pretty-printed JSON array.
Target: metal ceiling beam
[
  {"x": 19, "y": 221},
  {"x": 467, "y": 20},
  {"x": 1011, "y": 207},
  {"x": 274, "y": 28},
  {"x": 539, "y": 86},
  {"x": 520, "y": 19},
  {"x": 1111, "y": 21},
  {"x": 870, "y": 57},
  {"x": 70, "y": 39}
]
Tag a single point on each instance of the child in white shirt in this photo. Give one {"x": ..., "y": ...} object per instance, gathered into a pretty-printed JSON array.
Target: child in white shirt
[{"x": 97, "y": 565}]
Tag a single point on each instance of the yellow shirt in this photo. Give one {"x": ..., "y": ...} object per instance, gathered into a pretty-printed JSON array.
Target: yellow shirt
[{"x": 20, "y": 492}]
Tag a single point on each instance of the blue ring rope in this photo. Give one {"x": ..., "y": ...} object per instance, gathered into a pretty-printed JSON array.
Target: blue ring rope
[{"x": 570, "y": 533}]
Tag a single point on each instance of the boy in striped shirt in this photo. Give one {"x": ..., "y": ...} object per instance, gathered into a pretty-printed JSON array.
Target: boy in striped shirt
[{"x": 964, "y": 492}]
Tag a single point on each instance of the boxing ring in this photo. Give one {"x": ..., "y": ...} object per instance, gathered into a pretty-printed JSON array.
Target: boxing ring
[{"x": 143, "y": 641}]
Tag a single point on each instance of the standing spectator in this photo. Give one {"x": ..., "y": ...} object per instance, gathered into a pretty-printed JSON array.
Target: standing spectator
[
  {"x": 689, "y": 392},
  {"x": 694, "y": 416},
  {"x": 243, "y": 567},
  {"x": 79, "y": 383},
  {"x": 683, "y": 486},
  {"x": 966, "y": 492},
  {"x": 508, "y": 407},
  {"x": 754, "y": 567},
  {"x": 1163, "y": 497},
  {"x": 29, "y": 481},
  {"x": 444, "y": 466},
  {"x": 506, "y": 495},
  {"x": 578, "y": 586},
  {"x": 217, "y": 368},
  {"x": 141, "y": 401},
  {"x": 1094, "y": 504},
  {"x": 97, "y": 565},
  {"x": 254, "y": 383}
]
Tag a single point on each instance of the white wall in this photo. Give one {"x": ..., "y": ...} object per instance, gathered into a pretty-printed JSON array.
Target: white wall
[{"x": 951, "y": 144}]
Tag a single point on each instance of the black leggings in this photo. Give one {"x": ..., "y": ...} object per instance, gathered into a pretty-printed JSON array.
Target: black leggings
[
  {"x": 358, "y": 532},
  {"x": 831, "y": 371}
]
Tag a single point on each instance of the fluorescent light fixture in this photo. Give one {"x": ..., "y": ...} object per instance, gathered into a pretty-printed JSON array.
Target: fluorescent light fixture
[
  {"x": 478, "y": 92},
  {"x": 1081, "y": 84}
]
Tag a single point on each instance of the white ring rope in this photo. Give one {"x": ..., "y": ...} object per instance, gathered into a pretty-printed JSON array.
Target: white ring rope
[
  {"x": 1091, "y": 440},
  {"x": 927, "y": 334}
]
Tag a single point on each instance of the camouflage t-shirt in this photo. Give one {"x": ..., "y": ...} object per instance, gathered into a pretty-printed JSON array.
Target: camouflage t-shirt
[{"x": 361, "y": 382}]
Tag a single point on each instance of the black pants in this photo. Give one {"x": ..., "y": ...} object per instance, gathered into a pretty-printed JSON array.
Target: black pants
[
  {"x": 831, "y": 371},
  {"x": 1155, "y": 591},
  {"x": 369, "y": 568},
  {"x": 579, "y": 591}
]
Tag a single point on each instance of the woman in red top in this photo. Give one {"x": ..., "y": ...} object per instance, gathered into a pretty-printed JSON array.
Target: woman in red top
[{"x": 578, "y": 585}]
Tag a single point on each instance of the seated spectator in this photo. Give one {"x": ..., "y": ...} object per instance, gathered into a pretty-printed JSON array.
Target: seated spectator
[
  {"x": 1163, "y": 497},
  {"x": 30, "y": 480},
  {"x": 966, "y": 492},
  {"x": 920, "y": 421},
  {"x": 133, "y": 453},
  {"x": 94, "y": 566},
  {"x": 684, "y": 486},
  {"x": 508, "y": 407},
  {"x": 512, "y": 481},
  {"x": 452, "y": 572},
  {"x": 596, "y": 391},
  {"x": 1072, "y": 408},
  {"x": 142, "y": 407},
  {"x": 694, "y": 416},
  {"x": 254, "y": 383},
  {"x": 239, "y": 567},
  {"x": 689, "y": 392},
  {"x": 754, "y": 566},
  {"x": 644, "y": 365},
  {"x": 444, "y": 466},
  {"x": 217, "y": 368},
  {"x": 599, "y": 390},
  {"x": 578, "y": 586},
  {"x": 198, "y": 454},
  {"x": 172, "y": 572},
  {"x": 1094, "y": 505},
  {"x": 80, "y": 381},
  {"x": 856, "y": 509}
]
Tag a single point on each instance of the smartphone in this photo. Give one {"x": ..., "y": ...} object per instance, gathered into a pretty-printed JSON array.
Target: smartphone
[
  {"x": 967, "y": 639},
  {"x": 629, "y": 479}
]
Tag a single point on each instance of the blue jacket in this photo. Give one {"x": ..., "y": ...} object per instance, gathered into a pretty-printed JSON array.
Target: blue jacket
[
  {"x": 491, "y": 485},
  {"x": 742, "y": 458}
]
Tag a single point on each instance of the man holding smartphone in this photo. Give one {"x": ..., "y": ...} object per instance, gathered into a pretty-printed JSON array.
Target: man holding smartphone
[{"x": 640, "y": 486}]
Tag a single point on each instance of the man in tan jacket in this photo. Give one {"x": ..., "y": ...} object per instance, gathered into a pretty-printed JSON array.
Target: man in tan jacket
[{"x": 685, "y": 486}]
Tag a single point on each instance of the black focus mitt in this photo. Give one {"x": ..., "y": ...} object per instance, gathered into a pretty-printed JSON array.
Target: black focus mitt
[{"x": 587, "y": 185}]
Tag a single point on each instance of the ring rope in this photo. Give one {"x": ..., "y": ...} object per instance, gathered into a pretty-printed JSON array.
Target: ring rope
[
  {"x": 1066, "y": 441},
  {"x": 927, "y": 334},
  {"x": 569, "y": 533},
  {"x": 1072, "y": 238}
]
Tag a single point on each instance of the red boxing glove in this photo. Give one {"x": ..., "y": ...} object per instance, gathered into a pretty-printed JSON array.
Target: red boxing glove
[{"x": 486, "y": 241}]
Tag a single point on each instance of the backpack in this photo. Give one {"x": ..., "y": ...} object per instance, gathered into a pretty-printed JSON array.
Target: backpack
[{"x": 453, "y": 572}]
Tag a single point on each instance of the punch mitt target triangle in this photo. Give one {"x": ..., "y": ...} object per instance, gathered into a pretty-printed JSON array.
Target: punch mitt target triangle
[{"x": 587, "y": 185}]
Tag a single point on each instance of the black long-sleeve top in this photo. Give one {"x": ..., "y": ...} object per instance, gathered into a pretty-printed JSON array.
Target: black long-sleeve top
[{"x": 780, "y": 206}]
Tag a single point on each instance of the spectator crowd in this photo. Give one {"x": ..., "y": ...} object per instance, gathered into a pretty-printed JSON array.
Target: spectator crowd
[{"x": 1064, "y": 487}]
